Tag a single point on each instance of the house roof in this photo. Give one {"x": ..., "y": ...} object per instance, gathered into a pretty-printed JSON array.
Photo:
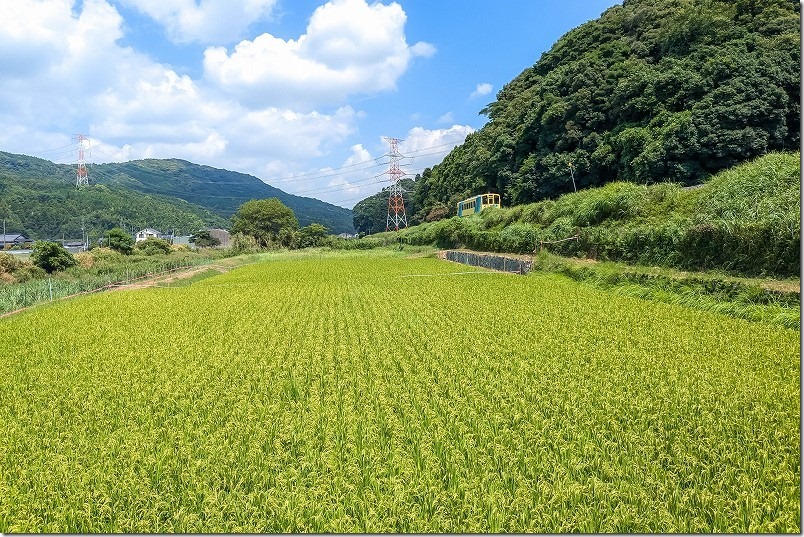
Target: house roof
[
  {"x": 150, "y": 231},
  {"x": 12, "y": 237}
]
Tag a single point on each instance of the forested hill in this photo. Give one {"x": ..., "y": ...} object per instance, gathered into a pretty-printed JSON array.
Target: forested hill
[
  {"x": 39, "y": 198},
  {"x": 653, "y": 90},
  {"x": 220, "y": 191}
]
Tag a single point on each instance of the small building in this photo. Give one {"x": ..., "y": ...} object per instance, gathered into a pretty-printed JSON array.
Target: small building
[
  {"x": 151, "y": 233},
  {"x": 73, "y": 246},
  {"x": 10, "y": 240},
  {"x": 222, "y": 235}
]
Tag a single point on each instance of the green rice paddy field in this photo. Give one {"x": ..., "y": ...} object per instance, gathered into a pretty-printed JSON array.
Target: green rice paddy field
[{"x": 373, "y": 392}]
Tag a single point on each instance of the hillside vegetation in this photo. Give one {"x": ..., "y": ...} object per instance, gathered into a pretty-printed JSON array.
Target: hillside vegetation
[
  {"x": 220, "y": 191},
  {"x": 651, "y": 91},
  {"x": 38, "y": 198},
  {"x": 746, "y": 220}
]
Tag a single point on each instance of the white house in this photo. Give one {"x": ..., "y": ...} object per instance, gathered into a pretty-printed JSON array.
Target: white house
[{"x": 150, "y": 233}]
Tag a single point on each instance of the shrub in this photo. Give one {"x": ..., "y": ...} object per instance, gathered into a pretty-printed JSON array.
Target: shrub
[
  {"x": 153, "y": 246},
  {"x": 9, "y": 263},
  {"x": 51, "y": 256},
  {"x": 243, "y": 244},
  {"x": 119, "y": 240}
]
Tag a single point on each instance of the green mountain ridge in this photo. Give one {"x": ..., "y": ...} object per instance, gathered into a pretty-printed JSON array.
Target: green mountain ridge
[
  {"x": 651, "y": 91},
  {"x": 39, "y": 198}
]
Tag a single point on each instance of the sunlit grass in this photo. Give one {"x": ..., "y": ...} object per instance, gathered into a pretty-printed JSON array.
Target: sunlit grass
[{"x": 328, "y": 393}]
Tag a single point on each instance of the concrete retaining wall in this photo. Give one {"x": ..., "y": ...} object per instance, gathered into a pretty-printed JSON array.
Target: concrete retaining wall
[{"x": 490, "y": 261}]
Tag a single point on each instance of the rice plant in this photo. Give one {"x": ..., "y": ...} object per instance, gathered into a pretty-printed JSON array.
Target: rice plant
[{"x": 325, "y": 392}]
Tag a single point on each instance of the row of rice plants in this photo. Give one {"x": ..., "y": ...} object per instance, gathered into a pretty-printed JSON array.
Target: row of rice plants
[{"x": 373, "y": 393}]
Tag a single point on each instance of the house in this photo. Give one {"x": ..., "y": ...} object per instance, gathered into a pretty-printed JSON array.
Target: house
[
  {"x": 13, "y": 239},
  {"x": 151, "y": 233}
]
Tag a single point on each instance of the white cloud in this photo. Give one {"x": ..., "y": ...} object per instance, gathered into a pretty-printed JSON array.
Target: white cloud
[
  {"x": 446, "y": 118},
  {"x": 482, "y": 89},
  {"x": 349, "y": 48},
  {"x": 359, "y": 155},
  {"x": 207, "y": 21},
  {"x": 420, "y": 140},
  {"x": 64, "y": 70},
  {"x": 423, "y": 49},
  {"x": 138, "y": 107}
]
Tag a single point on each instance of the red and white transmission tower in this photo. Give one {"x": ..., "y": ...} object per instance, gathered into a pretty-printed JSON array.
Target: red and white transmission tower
[
  {"x": 81, "y": 176},
  {"x": 396, "y": 201}
]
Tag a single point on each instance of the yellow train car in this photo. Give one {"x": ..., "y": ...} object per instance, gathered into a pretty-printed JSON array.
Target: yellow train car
[{"x": 475, "y": 204}]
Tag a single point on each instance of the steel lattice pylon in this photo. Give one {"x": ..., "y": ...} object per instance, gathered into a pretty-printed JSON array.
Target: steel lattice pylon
[
  {"x": 81, "y": 176},
  {"x": 396, "y": 201}
]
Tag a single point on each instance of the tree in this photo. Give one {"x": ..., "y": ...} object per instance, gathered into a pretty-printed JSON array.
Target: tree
[
  {"x": 267, "y": 220},
  {"x": 51, "y": 256},
  {"x": 203, "y": 239},
  {"x": 119, "y": 240},
  {"x": 311, "y": 235}
]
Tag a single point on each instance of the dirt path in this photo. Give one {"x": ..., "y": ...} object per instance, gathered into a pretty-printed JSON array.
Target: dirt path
[{"x": 166, "y": 279}]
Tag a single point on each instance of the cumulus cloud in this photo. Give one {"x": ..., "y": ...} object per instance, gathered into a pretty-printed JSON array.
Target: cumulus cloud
[
  {"x": 350, "y": 47},
  {"x": 65, "y": 69},
  {"x": 481, "y": 89},
  {"x": 207, "y": 21},
  {"x": 84, "y": 80},
  {"x": 441, "y": 141}
]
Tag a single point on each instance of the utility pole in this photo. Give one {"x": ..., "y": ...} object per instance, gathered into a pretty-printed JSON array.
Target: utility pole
[
  {"x": 396, "y": 201},
  {"x": 81, "y": 176}
]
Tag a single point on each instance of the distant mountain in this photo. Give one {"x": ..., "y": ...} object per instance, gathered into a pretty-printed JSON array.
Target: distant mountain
[
  {"x": 220, "y": 191},
  {"x": 39, "y": 198}
]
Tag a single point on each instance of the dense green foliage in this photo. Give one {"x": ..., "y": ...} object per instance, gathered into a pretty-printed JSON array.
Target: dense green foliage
[
  {"x": 153, "y": 246},
  {"x": 118, "y": 240},
  {"x": 220, "y": 191},
  {"x": 310, "y": 236},
  {"x": 282, "y": 397},
  {"x": 38, "y": 198},
  {"x": 746, "y": 220},
  {"x": 652, "y": 91},
  {"x": 51, "y": 256},
  {"x": 268, "y": 221}
]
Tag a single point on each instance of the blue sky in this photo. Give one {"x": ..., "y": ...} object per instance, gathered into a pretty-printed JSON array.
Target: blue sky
[{"x": 299, "y": 93}]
